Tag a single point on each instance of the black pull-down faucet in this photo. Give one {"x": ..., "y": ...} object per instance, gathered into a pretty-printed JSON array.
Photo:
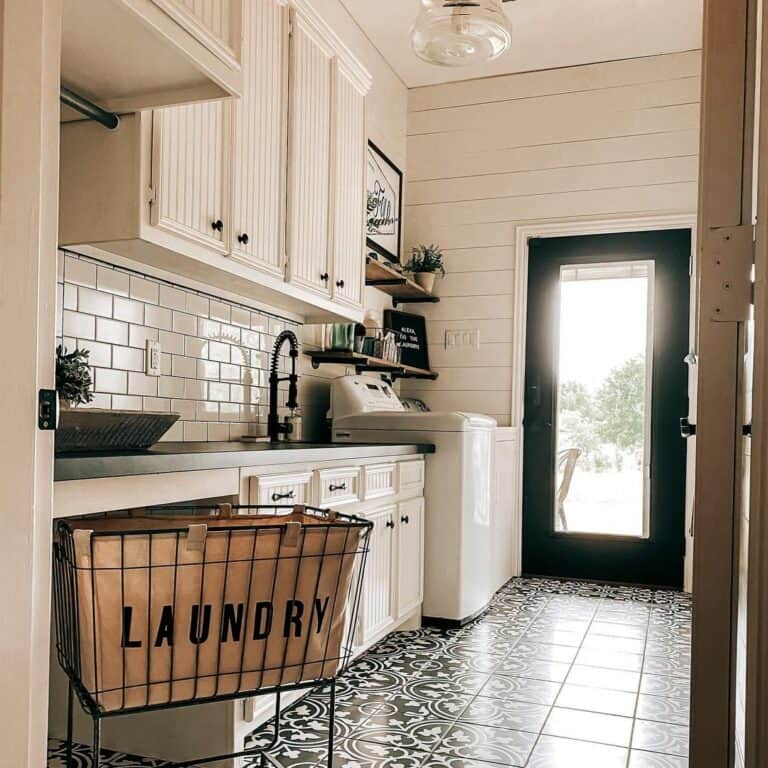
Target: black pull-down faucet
[{"x": 274, "y": 427}]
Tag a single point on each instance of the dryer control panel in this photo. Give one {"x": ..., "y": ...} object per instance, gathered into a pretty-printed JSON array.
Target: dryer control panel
[{"x": 352, "y": 395}]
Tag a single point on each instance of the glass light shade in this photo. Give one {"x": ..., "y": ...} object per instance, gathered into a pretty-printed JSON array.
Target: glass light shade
[{"x": 456, "y": 33}]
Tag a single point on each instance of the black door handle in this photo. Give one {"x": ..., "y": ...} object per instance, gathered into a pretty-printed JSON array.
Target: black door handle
[
  {"x": 218, "y": 225},
  {"x": 278, "y": 496},
  {"x": 339, "y": 487},
  {"x": 405, "y": 519},
  {"x": 324, "y": 277},
  {"x": 243, "y": 238},
  {"x": 686, "y": 428},
  {"x": 390, "y": 524},
  {"x": 339, "y": 283}
]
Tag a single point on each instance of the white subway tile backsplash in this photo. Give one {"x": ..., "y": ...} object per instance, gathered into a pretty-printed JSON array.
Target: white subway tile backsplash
[
  {"x": 159, "y": 404},
  {"x": 111, "y": 331},
  {"x": 220, "y": 311},
  {"x": 185, "y": 367},
  {"x": 144, "y": 290},
  {"x": 158, "y": 317},
  {"x": 100, "y": 400},
  {"x": 109, "y": 380},
  {"x": 79, "y": 325},
  {"x": 198, "y": 305},
  {"x": 94, "y": 302},
  {"x": 112, "y": 281},
  {"x": 195, "y": 431},
  {"x": 213, "y": 352},
  {"x": 205, "y": 411},
  {"x": 218, "y": 351},
  {"x": 172, "y": 297},
  {"x": 171, "y": 343},
  {"x": 218, "y": 432},
  {"x": 79, "y": 272},
  {"x": 195, "y": 347},
  {"x": 170, "y": 386},
  {"x": 184, "y": 323},
  {"x": 127, "y": 402},
  {"x": 128, "y": 358},
  {"x": 140, "y": 384},
  {"x": 175, "y": 434},
  {"x": 140, "y": 334}
]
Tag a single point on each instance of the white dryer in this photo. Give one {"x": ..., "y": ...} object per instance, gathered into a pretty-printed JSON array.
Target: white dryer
[{"x": 458, "y": 580}]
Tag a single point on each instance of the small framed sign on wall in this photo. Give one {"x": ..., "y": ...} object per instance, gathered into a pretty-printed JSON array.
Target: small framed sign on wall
[
  {"x": 412, "y": 330},
  {"x": 384, "y": 204}
]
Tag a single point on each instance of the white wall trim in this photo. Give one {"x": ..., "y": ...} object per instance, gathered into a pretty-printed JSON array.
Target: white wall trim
[{"x": 523, "y": 233}]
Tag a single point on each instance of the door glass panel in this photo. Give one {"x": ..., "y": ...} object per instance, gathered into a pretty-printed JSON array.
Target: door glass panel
[{"x": 602, "y": 418}]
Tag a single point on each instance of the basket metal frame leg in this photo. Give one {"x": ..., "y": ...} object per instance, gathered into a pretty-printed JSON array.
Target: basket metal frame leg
[
  {"x": 70, "y": 704},
  {"x": 331, "y": 722},
  {"x": 96, "y": 741}
]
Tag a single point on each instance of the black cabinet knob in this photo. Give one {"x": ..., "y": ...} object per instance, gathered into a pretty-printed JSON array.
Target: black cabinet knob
[
  {"x": 390, "y": 524},
  {"x": 324, "y": 277},
  {"x": 243, "y": 238},
  {"x": 218, "y": 225},
  {"x": 339, "y": 283},
  {"x": 405, "y": 519}
]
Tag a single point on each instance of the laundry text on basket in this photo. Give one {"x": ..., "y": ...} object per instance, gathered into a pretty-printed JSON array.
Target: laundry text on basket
[{"x": 232, "y": 622}]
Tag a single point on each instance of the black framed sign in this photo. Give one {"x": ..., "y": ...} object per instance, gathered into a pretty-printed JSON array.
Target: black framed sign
[
  {"x": 384, "y": 204},
  {"x": 413, "y": 337}
]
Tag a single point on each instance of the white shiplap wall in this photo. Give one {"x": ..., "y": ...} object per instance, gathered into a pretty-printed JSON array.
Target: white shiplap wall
[{"x": 602, "y": 141}]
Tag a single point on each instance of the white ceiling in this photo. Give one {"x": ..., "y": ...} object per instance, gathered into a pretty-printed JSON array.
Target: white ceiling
[{"x": 546, "y": 34}]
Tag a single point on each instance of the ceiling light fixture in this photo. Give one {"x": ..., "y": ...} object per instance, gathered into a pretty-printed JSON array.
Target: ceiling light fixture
[{"x": 456, "y": 33}]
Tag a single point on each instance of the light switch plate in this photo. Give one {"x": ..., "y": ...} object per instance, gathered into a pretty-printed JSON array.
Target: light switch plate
[
  {"x": 462, "y": 338},
  {"x": 153, "y": 358}
]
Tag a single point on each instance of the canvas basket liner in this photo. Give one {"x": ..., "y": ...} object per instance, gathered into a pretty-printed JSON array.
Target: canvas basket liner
[{"x": 184, "y": 562}]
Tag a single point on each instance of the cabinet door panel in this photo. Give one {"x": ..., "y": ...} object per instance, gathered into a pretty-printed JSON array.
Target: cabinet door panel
[
  {"x": 377, "y": 609},
  {"x": 349, "y": 188},
  {"x": 410, "y": 556},
  {"x": 310, "y": 156},
  {"x": 190, "y": 173},
  {"x": 215, "y": 23},
  {"x": 260, "y": 116}
]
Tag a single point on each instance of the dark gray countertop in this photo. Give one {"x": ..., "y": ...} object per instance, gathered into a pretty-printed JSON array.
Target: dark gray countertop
[{"x": 185, "y": 457}]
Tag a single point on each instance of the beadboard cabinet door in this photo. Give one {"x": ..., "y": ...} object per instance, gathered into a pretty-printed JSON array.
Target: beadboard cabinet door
[
  {"x": 410, "y": 555},
  {"x": 217, "y": 24},
  {"x": 378, "y": 596},
  {"x": 309, "y": 174},
  {"x": 348, "y": 202},
  {"x": 191, "y": 148},
  {"x": 260, "y": 139}
]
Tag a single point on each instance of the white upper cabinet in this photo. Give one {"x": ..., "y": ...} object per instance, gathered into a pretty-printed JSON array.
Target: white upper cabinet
[
  {"x": 216, "y": 23},
  {"x": 309, "y": 174},
  {"x": 135, "y": 54},
  {"x": 348, "y": 203},
  {"x": 260, "y": 141},
  {"x": 191, "y": 172}
]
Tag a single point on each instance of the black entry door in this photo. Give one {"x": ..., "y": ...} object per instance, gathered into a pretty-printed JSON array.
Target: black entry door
[{"x": 606, "y": 385}]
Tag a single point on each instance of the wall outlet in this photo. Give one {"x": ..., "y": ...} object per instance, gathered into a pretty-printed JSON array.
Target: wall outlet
[
  {"x": 462, "y": 338},
  {"x": 152, "y": 362}
]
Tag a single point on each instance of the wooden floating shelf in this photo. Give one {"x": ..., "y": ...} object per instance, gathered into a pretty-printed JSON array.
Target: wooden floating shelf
[
  {"x": 363, "y": 362},
  {"x": 402, "y": 289}
]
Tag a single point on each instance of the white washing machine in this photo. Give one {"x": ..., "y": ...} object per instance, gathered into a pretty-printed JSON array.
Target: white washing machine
[{"x": 458, "y": 582}]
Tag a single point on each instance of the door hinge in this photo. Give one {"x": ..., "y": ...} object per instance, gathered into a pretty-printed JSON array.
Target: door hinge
[
  {"x": 151, "y": 195},
  {"x": 729, "y": 252},
  {"x": 47, "y": 409}
]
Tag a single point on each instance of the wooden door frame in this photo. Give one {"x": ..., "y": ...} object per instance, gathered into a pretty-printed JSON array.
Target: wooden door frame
[
  {"x": 596, "y": 226},
  {"x": 29, "y": 204}
]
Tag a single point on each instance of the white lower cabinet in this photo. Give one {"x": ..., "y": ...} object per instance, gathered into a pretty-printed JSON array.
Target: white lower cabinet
[
  {"x": 410, "y": 556},
  {"x": 378, "y": 601}
]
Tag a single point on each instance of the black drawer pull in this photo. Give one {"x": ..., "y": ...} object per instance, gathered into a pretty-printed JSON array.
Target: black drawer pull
[
  {"x": 339, "y": 283},
  {"x": 243, "y": 238},
  {"x": 218, "y": 225},
  {"x": 279, "y": 496},
  {"x": 324, "y": 277},
  {"x": 339, "y": 487},
  {"x": 390, "y": 524},
  {"x": 405, "y": 519}
]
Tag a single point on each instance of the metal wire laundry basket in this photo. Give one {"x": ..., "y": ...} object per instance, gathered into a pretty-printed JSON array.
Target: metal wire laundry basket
[{"x": 178, "y": 606}]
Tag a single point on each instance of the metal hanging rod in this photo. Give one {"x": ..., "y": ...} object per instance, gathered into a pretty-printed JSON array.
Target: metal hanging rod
[{"x": 92, "y": 111}]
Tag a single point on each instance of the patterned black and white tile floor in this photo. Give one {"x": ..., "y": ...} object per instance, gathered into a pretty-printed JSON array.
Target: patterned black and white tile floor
[{"x": 554, "y": 675}]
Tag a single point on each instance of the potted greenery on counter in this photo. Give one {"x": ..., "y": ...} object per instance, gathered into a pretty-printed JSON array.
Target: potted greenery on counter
[{"x": 426, "y": 262}]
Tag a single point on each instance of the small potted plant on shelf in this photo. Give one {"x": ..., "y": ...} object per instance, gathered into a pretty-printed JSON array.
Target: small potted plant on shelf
[
  {"x": 73, "y": 377},
  {"x": 426, "y": 262}
]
